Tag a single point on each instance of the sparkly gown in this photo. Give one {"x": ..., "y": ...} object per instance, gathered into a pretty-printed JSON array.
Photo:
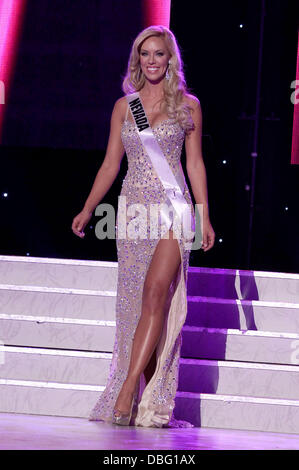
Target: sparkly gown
[{"x": 153, "y": 402}]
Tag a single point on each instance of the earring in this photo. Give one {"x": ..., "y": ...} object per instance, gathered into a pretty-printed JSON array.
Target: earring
[{"x": 168, "y": 75}]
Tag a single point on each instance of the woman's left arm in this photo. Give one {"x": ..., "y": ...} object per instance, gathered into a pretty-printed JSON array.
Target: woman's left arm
[{"x": 197, "y": 172}]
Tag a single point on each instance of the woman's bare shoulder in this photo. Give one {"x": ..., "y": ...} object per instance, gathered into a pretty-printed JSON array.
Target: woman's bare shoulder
[
  {"x": 121, "y": 103},
  {"x": 120, "y": 107},
  {"x": 191, "y": 100}
]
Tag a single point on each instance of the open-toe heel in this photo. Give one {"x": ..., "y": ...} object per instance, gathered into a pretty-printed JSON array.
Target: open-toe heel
[{"x": 122, "y": 419}]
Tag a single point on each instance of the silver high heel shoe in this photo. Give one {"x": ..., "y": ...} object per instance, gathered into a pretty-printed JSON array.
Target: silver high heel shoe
[{"x": 123, "y": 419}]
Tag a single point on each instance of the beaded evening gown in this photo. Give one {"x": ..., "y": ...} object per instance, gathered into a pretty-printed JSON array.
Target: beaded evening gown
[{"x": 154, "y": 402}]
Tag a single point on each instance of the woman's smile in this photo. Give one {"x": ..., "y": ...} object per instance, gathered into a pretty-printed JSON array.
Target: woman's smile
[{"x": 152, "y": 69}]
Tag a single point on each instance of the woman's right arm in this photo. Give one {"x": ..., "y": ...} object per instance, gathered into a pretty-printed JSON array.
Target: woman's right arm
[{"x": 107, "y": 171}]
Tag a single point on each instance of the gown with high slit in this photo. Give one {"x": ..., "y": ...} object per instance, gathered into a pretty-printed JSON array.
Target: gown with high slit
[{"x": 153, "y": 402}]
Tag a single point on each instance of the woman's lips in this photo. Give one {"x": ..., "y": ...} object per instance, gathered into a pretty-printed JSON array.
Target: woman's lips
[{"x": 152, "y": 69}]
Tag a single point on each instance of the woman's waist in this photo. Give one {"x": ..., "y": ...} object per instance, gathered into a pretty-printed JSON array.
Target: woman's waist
[
  {"x": 151, "y": 179},
  {"x": 150, "y": 192}
]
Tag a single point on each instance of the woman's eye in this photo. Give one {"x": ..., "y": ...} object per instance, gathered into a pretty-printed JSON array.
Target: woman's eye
[{"x": 158, "y": 53}]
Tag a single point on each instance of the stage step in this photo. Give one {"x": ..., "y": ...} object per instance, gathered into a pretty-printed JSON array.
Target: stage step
[
  {"x": 55, "y": 365},
  {"x": 54, "y": 332},
  {"x": 240, "y": 350},
  {"x": 238, "y": 412},
  {"x": 243, "y": 284},
  {"x": 239, "y": 378},
  {"x": 56, "y": 272},
  {"x": 210, "y": 312},
  {"x": 237, "y": 345},
  {"x": 206, "y": 410},
  {"x": 102, "y": 275},
  {"x": 54, "y": 302},
  {"x": 213, "y": 312},
  {"x": 98, "y": 335},
  {"x": 195, "y": 375}
]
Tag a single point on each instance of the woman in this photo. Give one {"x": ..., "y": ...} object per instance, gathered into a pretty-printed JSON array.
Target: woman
[{"x": 151, "y": 303}]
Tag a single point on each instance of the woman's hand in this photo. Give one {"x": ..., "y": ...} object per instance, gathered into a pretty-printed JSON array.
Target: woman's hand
[
  {"x": 208, "y": 236},
  {"x": 80, "y": 221}
]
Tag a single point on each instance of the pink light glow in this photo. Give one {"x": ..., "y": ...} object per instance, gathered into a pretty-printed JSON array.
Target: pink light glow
[
  {"x": 156, "y": 12},
  {"x": 295, "y": 138},
  {"x": 11, "y": 20}
]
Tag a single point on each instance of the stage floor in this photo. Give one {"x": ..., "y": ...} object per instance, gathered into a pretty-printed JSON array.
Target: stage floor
[{"x": 35, "y": 432}]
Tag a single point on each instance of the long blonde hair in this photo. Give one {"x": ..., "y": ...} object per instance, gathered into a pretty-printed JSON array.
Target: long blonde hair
[{"x": 174, "y": 89}]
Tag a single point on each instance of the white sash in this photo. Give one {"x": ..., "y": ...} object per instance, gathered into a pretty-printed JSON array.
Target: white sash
[{"x": 174, "y": 190}]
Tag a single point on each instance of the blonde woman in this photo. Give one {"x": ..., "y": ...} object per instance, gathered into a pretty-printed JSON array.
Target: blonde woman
[{"x": 150, "y": 123}]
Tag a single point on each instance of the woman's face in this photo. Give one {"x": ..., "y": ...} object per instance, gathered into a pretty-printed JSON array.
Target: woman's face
[{"x": 154, "y": 58}]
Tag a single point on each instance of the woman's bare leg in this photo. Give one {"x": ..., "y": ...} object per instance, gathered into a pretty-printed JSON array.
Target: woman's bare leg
[
  {"x": 162, "y": 270},
  {"x": 151, "y": 366}
]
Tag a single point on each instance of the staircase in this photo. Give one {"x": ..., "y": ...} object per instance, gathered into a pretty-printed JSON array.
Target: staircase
[{"x": 240, "y": 353}]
